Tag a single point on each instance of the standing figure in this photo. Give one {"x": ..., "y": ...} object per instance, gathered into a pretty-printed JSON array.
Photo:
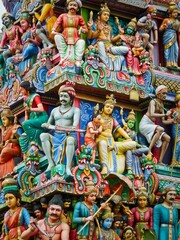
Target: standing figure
[
  {"x": 112, "y": 56},
  {"x": 165, "y": 217},
  {"x": 92, "y": 131},
  {"x": 171, "y": 27},
  {"x": 105, "y": 232},
  {"x": 84, "y": 211},
  {"x": 11, "y": 36},
  {"x": 51, "y": 227},
  {"x": 142, "y": 215},
  {"x": 9, "y": 147},
  {"x": 109, "y": 150},
  {"x": 65, "y": 119},
  {"x": 145, "y": 25},
  {"x": 35, "y": 116},
  {"x": 176, "y": 129},
  {"x": 148, "y": 127},
  {"x": 69, "y": 44},
  {"x": 16, "y": 219}
]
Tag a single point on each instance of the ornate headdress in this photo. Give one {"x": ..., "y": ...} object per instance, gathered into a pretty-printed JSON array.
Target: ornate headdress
[
  {"x": 9, "y": 185},
  {"x": 68, "y": 87},
  {"x": 26, "y": 16},
  {"x": 132, "y": 23},
  {"x": 151, "y": 9},
  {"x": 131, "y": 115},
  {"x": 104, "y": 8},
  {"x": 107, "y": 213},
  {"x": 89, "y": 187},
  {"x": 160, "y": 88},
  {"x": 172, "y": 7},
  {"x": 142, "y": 192},
  {"x": 7, "y": 15},
  {"x": 7, "y": 112},
  {"x": 110, "y": 99},
  {"x": 169, "y": 187}
]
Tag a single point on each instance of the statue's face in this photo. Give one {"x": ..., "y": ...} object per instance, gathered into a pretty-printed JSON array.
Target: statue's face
[
  {"x": 116, "y": 208},
  {"x": 6, "y": 21},
  {"x": 54, "y": 211},
  {"x": 128, "y": 235},
  {"x": 107, "y": 223},
  {"x": 174, "y": 13},
  {"x": 117, "y": 224},
  {"x": 91, "y": 198},
  {"x": 131, "y": 124},
  {"x": 108, "y": 108},
  {"x": 11, "y": 201},
  {"x": 170, "y": 197},
  {"x": 5, "y": 121},
  {"x": 162, "y": 95},
  {"x": 97, "y": 119},
  {"x": 129, "y": 30},
  {"x": 73, "y": 7},
  {"x": 142, "y": 201},
  {"x": 104, "y": 17},
  {"x": 24, "y": 24},
  {"x": 64, "y": 98}
]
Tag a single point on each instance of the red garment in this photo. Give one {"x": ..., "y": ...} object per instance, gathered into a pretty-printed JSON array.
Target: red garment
[
  {"x": 145, "y": 218},
  {"x": 13, "y": 38},
  {"x": 12, "y": 222},
  {"x": 8, "y": 152},
  {"x": 70, "y": 25}
]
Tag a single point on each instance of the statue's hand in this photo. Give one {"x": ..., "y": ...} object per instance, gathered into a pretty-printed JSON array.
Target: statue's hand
[
  {"x": 168, "y": 113},
  {"x": 45, "y": 125},
  {"x": 90, "y": 218},
  {"x": 55, "y": 33},
  {"x": 90, "y": 23}
]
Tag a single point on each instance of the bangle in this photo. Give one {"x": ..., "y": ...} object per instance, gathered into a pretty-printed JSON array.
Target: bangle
[{"x": 83, "y": 219}]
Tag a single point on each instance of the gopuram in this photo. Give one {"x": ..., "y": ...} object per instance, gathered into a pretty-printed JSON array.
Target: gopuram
[{"x": 90, "y": 120}]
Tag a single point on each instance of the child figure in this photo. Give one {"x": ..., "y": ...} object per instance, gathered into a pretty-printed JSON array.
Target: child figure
[{"x": 92, "y": 130}]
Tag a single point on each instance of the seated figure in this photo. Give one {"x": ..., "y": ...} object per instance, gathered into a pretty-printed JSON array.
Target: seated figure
[
  {"x": 30, "y": 42},
  {"x": 45, "y": 31},
  {"x": 9, "y": 147},
  {"x": 112, "y": 56},
  {"x": 111, "y": 153},
  {"x": 64, "y": 120},
  {"x": 35, "y": 115},
  {"x": 69, "y": 44},
  {"x": 11, "y": 36}
]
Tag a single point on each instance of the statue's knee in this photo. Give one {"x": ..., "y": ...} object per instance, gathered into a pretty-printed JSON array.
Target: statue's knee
[
  {"x": 44, "y": 137},
  {"x": 70, "y": 141},
  {"x": 102, "y": 143}
]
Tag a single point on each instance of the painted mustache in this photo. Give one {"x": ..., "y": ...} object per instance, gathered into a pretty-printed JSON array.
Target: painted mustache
[{"x": 53, "y": 215}]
